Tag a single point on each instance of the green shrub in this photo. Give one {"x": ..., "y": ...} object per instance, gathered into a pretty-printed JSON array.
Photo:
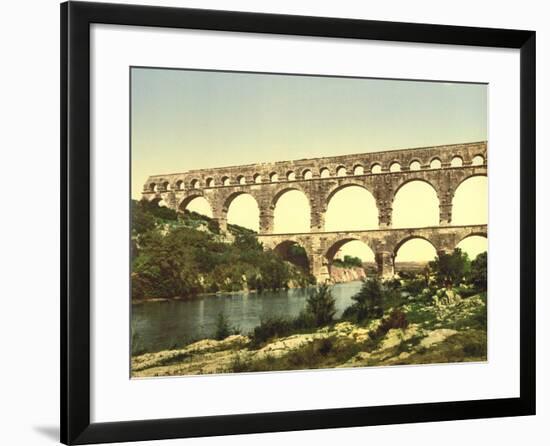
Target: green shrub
[
  {"x": 414, "y": 285},
  {"x": 368, "y": 302},
  {"x": 274, "y": 327},
  {"x": 348, "y": 262},
  {"x": 297, "y": 255},
  {"x": 305, "y": 320},
  {"x": 223, "y": 329},
  {"x": 278, "y": 327},
  {"x": 466, "y": 291},
  {"x": 321, "y": 305},
  {"x": 142, "y": 220},
  {"x": 172, "y": 257},
  {"x": 393, "y": 284},
  {"x": 214, "y": 226},
  {"x": 478, "y": 272},
  {"x": 451, "y": 269},
  {"x": 396, "y": 319}
]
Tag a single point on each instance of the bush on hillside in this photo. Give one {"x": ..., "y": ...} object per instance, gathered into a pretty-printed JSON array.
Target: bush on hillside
[
  {"x": 368, "y": 302},
  {"x": 321, "y": 305}
]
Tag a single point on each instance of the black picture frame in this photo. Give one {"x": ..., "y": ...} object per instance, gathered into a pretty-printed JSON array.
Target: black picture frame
[{"x": 76, "y": 18}]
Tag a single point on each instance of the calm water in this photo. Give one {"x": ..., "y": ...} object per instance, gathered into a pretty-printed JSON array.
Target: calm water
[{"x": 164, "y": 325}]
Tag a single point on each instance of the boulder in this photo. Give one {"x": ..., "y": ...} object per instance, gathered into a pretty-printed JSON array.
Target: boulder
[{"x": 437, "y": 336}]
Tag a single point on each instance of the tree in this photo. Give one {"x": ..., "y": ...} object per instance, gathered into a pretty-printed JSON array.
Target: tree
[
  {"x": 297, "y": 255},
  {"x": 142, "y": 220},
  {"x": 321, "y": 305},
  {"x": 247, "y": 242},
  {"x": 368, "y": 301},
  {"x": 176, "y": 259},
  {"x": 451, "y": 269},
  {"x": 478, "y": 272},
  {"x": 353, "y": 261},
  {"x": 223, "y": 330},
  {"x": 349, "y": 262},
  {"x": 160, "y": 212}
]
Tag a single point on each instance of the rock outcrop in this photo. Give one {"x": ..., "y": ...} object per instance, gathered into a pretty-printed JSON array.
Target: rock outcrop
[{"x": 341, "y": 275}]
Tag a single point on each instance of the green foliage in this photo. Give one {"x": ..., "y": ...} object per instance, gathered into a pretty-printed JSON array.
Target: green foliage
[
  {"x": 142, "y": 219},
  {"x": 236, "y": 229},
  {"x": 165, "y": 266},
  {"x": 223, "y": 330},
  {"x": 466, "y": 290},
  {"x": 321, "y": 305},
  {"x": 393, "y": 284},
  {"x": 415, "y": 285},
  {"x": 319, "y": 353},
  {"x": 406, "y": 275},
  {"x": 396, "y": 319},
  {"x": 296, "y": 254},
  {"x": 145, "y": 214},
  {"x": 348, "y": 262},
  {"x": 214, "y": 226},
  {"x": 478, "y": 272},
  {"x": 274, "y": 327},
  {"x": 172, "y": 257},
  {"x": 248, "y": 242},
  {"x": 319, "y": 311},
  {"x": 368, "y": 302},
  {"x": 451, "y": 269}
]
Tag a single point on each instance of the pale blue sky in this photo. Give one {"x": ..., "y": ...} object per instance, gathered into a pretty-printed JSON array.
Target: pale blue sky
[{"x": 185, "y": 120}]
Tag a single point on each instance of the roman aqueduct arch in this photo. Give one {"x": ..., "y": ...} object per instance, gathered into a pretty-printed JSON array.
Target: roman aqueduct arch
[{"x": 443, "y": 167}]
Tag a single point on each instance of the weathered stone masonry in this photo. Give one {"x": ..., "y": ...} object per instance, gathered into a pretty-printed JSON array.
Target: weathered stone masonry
[{"x": 267, "y": 182}]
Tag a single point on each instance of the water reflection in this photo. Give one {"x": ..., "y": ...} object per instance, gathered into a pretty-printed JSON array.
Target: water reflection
[{"x": 164, "y": 325}]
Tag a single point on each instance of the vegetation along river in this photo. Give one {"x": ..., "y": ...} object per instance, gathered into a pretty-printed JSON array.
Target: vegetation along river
[{"x": 169, "y": 324}]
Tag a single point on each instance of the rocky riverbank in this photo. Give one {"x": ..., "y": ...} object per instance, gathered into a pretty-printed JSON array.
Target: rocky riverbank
[
  {"x": 451, "y": 332},
  {"x": 347, "y": 274}
]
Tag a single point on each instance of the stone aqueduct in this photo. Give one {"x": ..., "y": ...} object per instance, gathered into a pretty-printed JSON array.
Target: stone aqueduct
[{"x": 381, "y": 173}]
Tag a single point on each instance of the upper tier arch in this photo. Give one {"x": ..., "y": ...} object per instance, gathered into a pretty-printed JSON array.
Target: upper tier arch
[
  {"x": 219, "y": 185},
  {"x": 424, "y": 155}
]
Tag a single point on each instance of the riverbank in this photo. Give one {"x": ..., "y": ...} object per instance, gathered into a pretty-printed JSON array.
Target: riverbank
[
  {"x": 192, "y": 297},
  {"x": 340, "y": 276},
  {"x": 432, "y": 334},
  {"x": 202, "y": 295}
]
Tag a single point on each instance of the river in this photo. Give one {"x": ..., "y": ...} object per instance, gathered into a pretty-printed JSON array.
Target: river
[{"x": 170, "y": 324}]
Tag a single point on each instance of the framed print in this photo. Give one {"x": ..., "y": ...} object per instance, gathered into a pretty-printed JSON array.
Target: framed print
[{"x": 280, "y": 222}]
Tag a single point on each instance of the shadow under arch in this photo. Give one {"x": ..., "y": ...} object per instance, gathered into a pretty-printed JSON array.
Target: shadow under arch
[
  {"x": 153, "y": 200},
  {"x": 293, "y": 252}
]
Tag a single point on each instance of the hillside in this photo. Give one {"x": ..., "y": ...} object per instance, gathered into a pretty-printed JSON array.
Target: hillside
[{"x": 183, "y": 255}]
